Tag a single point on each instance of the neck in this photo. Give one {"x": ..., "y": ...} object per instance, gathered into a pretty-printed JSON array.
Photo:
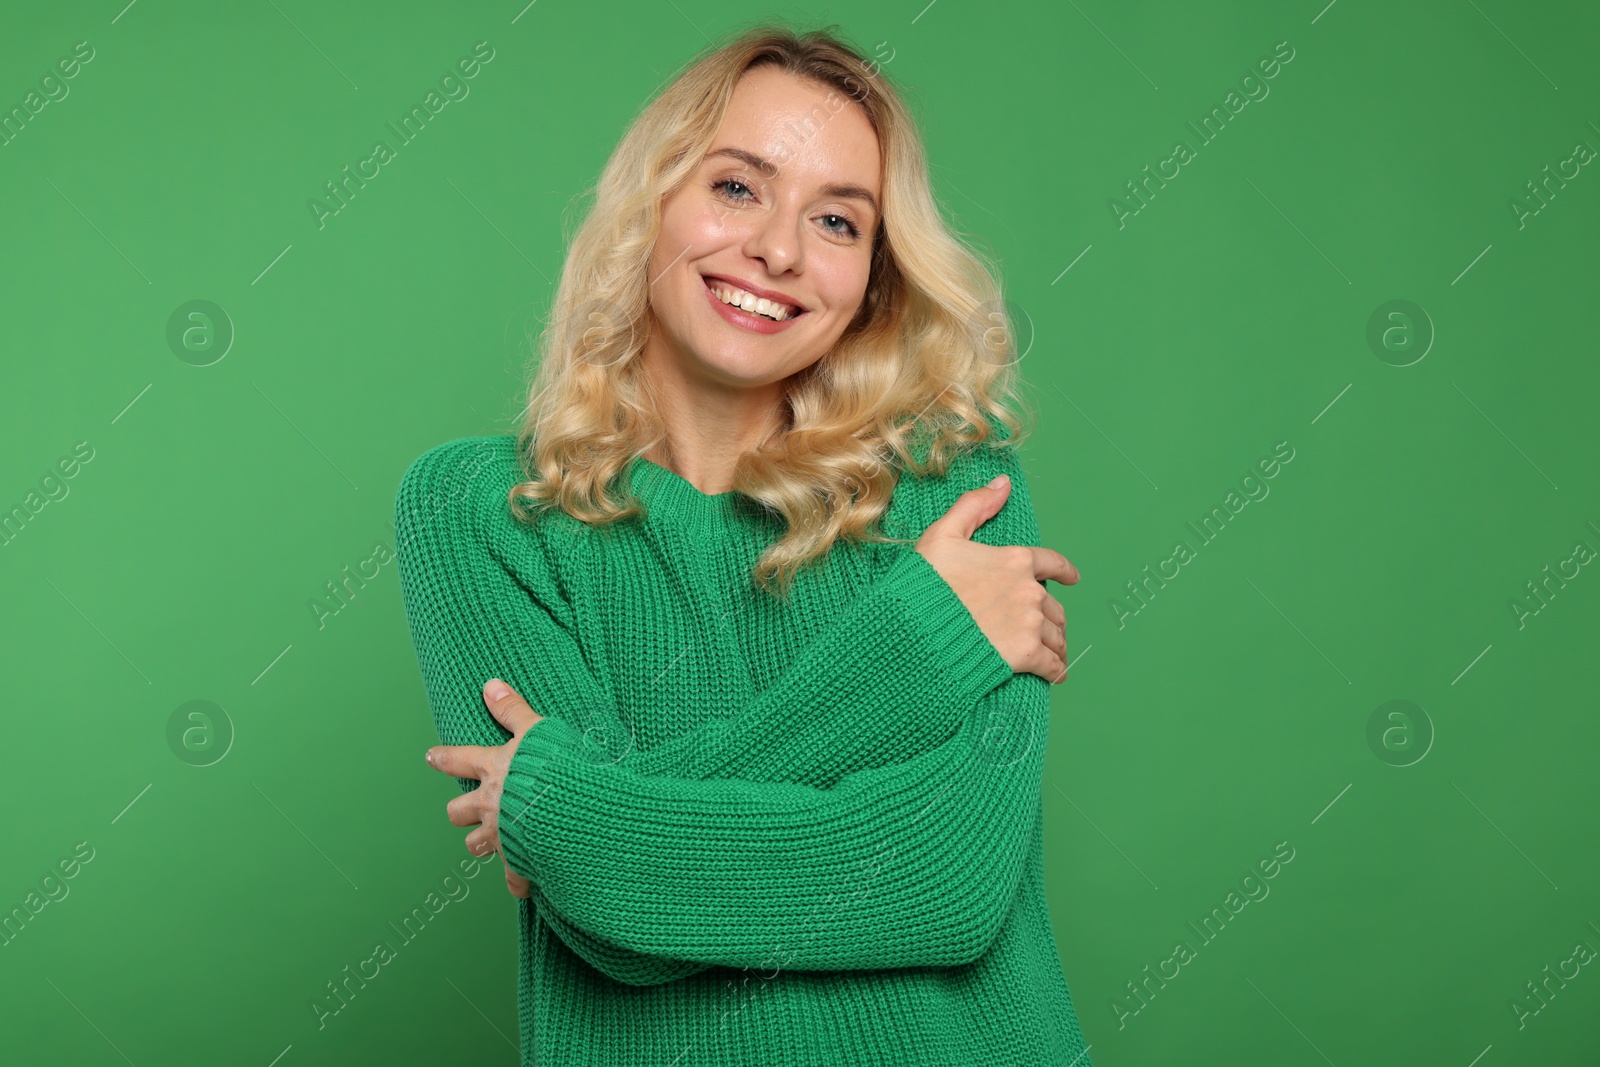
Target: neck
[{"x": 709, "y": 425}]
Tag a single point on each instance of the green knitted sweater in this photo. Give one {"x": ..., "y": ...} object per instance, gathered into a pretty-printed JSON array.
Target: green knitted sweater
[{"x": 759, "y": 832}]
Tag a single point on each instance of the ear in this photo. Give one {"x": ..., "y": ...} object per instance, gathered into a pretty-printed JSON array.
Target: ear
[{"x": 508, "y": 709}]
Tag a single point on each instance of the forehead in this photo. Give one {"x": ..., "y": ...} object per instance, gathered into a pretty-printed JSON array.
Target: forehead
[{"x": 811, "y": 132}]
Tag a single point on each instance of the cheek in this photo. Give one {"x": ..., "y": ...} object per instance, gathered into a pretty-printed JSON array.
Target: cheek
[
  {"x": 676, "y": 228},
  {"x": 843, "y": 284},
  {"x": 688, "y": 234},
  {"x": 696, "y": 225}
]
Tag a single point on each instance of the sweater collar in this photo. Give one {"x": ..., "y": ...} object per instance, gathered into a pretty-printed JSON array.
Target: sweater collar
[
  {"x": 668, "y": 485},
  {"x": 672, "y": 499}
]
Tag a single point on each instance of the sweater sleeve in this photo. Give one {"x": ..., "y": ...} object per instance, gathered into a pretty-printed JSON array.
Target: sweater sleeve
[
  {"x": 896, "y": 713},
  {"x": 911, "y": 862},
  {"x": 477, "y": 608}
]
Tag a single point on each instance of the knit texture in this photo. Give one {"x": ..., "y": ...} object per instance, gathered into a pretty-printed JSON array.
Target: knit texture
[{"x": 797, "y": 833}]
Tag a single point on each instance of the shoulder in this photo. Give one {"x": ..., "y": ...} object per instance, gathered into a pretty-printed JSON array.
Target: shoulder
[
  {"x": 453, "y": 484},
  {"x": 966, "y": 466},
  {"x": 973, "y": 467},
  {"x": 462, "y": 461}
]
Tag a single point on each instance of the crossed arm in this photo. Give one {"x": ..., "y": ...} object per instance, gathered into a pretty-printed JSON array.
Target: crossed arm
[{"x": 853, "y": 815}]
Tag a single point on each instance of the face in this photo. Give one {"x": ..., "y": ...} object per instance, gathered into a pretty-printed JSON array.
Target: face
[{"x": 784, "y": 208}]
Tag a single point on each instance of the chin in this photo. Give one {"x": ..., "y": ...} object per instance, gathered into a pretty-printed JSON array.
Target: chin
[{"x": 741, "y": 363}]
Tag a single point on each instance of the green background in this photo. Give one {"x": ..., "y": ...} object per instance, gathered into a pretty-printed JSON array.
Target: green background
[{"x": 1169, "y": 353}]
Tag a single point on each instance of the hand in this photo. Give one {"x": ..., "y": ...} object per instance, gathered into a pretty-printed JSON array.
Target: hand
[
  {"x": 488, "y": 764},
  {"x": 1003, "y": 585},
  {"x": 516, "y": 885}
]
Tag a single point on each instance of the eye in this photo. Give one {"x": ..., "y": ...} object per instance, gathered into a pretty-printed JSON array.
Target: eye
[
  {"x": 723, "y": 185},
  {"x": 849, "y": 227},
  {"x": 833, "y": 222}
]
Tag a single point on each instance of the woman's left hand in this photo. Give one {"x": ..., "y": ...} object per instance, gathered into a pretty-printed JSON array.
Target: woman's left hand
[{"x": 488, "y": 764}]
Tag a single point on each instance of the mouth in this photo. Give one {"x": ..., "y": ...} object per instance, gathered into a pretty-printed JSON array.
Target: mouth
[{"x": 761, "y": 305}]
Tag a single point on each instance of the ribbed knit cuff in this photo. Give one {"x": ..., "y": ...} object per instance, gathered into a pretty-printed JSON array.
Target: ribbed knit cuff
[
  {"x": 546, "y": 740},
  {"x": 929, "y": 607}
]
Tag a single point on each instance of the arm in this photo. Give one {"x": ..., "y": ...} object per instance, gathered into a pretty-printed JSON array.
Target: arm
[
  {"x": 746, "y": 872},
  {"x": 814, "y": 741},
  {"x": 482, "y": 601},
  {"x": 913, "y": 864},
  {"x": 765, "y": 744}
]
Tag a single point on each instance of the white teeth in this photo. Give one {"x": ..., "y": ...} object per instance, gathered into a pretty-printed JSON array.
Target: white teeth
[{"x": 751, "y": 303}]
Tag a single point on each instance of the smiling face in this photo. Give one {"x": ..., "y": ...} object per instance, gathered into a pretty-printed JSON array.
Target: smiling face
[{"x": 783, "y": 207}]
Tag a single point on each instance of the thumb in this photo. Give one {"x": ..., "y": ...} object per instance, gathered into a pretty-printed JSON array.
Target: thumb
[
  {"x": 972, "y": 509},
  {"x": 508, "y": 708}
]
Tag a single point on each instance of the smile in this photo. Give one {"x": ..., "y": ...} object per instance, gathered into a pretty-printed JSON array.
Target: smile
[{"x": 748, "y": 311}]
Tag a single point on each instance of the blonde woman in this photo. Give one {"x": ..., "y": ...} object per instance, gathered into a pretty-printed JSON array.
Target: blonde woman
[{"x": 740, "y": 648}]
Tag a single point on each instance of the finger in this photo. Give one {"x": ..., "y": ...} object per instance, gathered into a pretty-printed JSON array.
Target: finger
[
  {"x": 463, "y": 761},
  {"x": 971, "y": 510},
  {"x": 1054, "y": 611},
  {"x": 511, "y": 874},
  {"x": 1053, "y": 661},
  {"x": 483, "y": 841},
  {"x": 509, "y": 709},
  {"x": 1054, "y": 638},
  {"x": 1048, "y": 563},
  {"x": 517, "y": 885},
  {"x": 463, "y": 810},
  {"x": 1047, "y": 665}
]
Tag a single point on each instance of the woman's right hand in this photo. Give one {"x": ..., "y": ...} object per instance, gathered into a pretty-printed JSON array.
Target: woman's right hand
[
  {"x": 1002, "y": 585},
  {"x": 516, "y": 885}
]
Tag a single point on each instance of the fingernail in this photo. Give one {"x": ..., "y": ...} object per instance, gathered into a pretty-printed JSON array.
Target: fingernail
[
  {"x": 497, "y": 690},
  {"x": 428, "y": 755},
  {"x": 998, "y": 481}
]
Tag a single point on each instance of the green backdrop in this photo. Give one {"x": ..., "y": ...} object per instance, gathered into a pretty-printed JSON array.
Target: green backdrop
[{"x": 1344, "y": 325}]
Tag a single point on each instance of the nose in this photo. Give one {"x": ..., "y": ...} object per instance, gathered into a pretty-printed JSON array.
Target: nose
[{"x": 775, "y": 240}]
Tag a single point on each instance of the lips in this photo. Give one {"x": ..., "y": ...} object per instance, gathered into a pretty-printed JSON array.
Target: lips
[
  {"x": 797, "y": 308},
  {"x": 745, "y": 320}
]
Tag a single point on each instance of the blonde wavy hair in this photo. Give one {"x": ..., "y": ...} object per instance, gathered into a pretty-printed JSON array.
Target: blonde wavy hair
[{"x": 929, "y": 360}]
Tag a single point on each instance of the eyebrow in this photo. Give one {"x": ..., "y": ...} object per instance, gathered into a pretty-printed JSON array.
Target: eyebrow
[{"x": 852, "y": 192}]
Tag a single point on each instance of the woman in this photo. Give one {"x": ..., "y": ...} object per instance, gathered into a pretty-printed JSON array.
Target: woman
[{"x": 764, "y": 565}]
